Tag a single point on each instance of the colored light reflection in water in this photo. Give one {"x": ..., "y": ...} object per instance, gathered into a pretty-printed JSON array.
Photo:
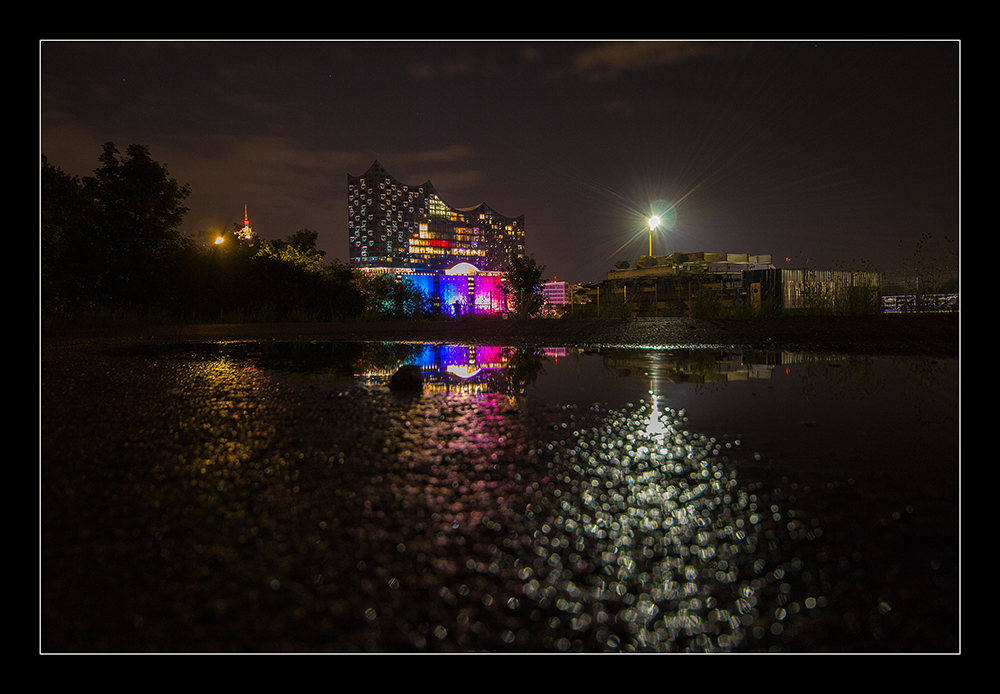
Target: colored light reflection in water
[
  {"x": 566, "y": 530},
  {"x": 446, "y": 365},
  {"x": 649, "y": 531},
  {"x": 612, "y": 528},
  {"x": 569, "y": 504},
  {"x": 642, "y": 522}
]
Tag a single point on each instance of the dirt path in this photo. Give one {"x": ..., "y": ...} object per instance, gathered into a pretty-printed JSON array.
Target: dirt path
[{"x": 933, "y": 334}]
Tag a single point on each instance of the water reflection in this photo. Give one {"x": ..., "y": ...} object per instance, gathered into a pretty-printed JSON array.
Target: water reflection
[
  {"x": 566, "y": 500},
  {"x": 612, "y": 528},
  {"x": 625, "y": 525},
  {"x": 453, "y": 368},
  {"x": 697, "y": 365},
  {"x": 651, "y": 531}
]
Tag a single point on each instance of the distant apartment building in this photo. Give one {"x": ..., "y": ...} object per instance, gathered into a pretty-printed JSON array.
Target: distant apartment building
[{"x": 554, "y": 293}]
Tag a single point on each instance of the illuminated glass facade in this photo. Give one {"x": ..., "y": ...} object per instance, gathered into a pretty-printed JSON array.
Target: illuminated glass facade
[
  {"x": 394, "y": 225},
  {"x": 454, "y": 256}
]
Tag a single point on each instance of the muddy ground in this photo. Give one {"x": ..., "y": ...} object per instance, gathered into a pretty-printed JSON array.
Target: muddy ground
[{"x": 932, "y": 334}]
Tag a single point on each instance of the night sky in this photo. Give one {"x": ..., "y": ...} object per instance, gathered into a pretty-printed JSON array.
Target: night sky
[{"x": 831, "y": 154}]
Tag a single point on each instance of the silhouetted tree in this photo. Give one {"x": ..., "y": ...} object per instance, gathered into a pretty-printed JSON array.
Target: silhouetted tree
[
  {"x": 523, "y": 285},
  {"x": 139, "y": 202},
  {"x": 300, "y": 249},
  {"x": 71, "y": 258},
  {"x": 343, "y": 294},
  {"x": 113, "y": 240},
  {"x": 303, "y": 240},
  {"x": 388, "y": 296},
  {"x": 114, "y": 235}
]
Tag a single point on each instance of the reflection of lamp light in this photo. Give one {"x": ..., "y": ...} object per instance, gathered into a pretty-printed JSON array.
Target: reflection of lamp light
[{"x": 656, "y": 428}]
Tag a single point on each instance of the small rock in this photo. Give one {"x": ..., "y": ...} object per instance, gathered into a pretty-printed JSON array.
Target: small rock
[{"x": 408, "y": 377}]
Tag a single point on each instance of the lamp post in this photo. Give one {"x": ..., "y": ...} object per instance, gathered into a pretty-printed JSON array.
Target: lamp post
[{"x": 654, "y": 222}]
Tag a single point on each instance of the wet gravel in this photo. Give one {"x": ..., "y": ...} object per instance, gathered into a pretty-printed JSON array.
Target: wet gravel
[{"x": 198, "y": 500}]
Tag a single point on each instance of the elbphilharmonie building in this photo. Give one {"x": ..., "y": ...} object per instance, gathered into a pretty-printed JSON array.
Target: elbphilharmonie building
[{"x": 454, "y": 255}]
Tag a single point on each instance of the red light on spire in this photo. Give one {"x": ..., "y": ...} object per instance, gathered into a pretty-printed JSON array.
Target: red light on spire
[{"x": 246, "y": 232}]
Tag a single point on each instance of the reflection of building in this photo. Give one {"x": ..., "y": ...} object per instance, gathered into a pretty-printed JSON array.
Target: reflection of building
[
  {"x": 454, "y": 255},
  {"x": 696, "y": 365},
  {"x": 466, "y": 368}
]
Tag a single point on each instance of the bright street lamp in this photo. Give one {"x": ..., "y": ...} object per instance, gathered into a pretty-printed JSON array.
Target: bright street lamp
[{"x": 654, "y": 222}]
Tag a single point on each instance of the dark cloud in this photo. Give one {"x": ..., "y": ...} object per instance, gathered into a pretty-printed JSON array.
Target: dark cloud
[
  {"x": 828, "y": 150},
  {"x": 608, "y": 60}
]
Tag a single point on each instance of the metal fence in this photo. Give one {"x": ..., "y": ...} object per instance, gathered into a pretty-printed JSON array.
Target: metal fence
[
  {"x": 817, "y": 292},
  {"x": 917, "y": 303}
]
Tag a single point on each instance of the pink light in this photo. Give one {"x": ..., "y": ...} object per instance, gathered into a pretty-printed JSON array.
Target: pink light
[{"x": 488, "y": 296}]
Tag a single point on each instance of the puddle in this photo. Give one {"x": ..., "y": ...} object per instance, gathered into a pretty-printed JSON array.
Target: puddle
[
  {"x": 880, "y": 412},
  {"x": 602, "y": 500},
  {"x": 716, "y": 499}
]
